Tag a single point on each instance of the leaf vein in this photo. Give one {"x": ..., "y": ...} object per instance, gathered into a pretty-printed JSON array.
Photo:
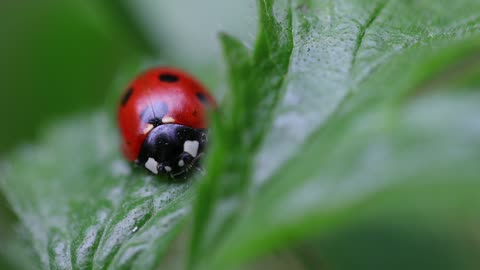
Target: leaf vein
[{"x": 363, "y": 29}]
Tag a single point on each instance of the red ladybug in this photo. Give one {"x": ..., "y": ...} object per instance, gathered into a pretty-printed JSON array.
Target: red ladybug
[{"x": 162, "y": 120}]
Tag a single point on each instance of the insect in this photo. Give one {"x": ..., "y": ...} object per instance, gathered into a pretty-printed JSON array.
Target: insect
[{"x": 162, "y": 117}]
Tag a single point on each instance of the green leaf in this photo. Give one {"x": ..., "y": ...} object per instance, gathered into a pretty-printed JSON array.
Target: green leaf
[
  {"x": 371, "y": 128},
  {"x": 83, "y": 207},
  {"x": 240, "y": 128}
]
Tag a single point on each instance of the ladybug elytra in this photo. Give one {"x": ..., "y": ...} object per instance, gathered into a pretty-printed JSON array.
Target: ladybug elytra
[{"x": 162, "y": 118}]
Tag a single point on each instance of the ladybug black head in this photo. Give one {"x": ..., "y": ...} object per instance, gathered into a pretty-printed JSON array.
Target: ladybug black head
[{"x": 172, "y": 149}]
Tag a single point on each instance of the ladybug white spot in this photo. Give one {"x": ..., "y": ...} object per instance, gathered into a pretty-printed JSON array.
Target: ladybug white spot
[
  {"x": 148, "y": 128},
  {"x": 191, "y": 147},
  {"x": 181, "y": 163},
  {"x": 152, "y": 165},
  {"x": 168, "y": 168},
  {"x": 167, "y": 120}
]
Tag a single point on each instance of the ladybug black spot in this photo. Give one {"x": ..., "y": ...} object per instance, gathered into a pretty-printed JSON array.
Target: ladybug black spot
[
  {"x": 126, "y": 96},
  {"x": 202, "y": 98},
  {"x": 166, "y": 77}
]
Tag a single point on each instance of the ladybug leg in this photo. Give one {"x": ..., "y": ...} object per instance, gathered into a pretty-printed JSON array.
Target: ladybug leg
[
  {"x": 198, "y": 166},
  {"x": 194, "y": 163},
  {"x": 188, "y": 163}
]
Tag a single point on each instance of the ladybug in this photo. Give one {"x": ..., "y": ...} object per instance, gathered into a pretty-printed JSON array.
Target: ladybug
[{"x": 162, "y": 118}]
